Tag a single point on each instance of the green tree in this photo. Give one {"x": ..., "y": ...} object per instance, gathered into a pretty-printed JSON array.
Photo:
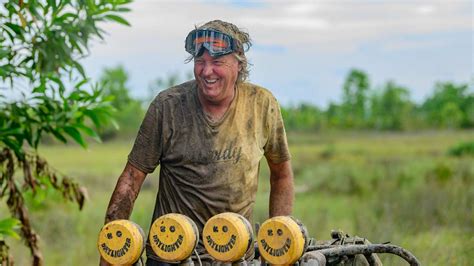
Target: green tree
[
  {"x": 162, "y": 83},
  {"x": 129, "y": 112},
  {"x": 469, "y": 115},
  {"x": 391, "y": 108},
  {"x": 303, "y": 117},
  {"x": 335, "y": 116},
  {"x": 114, "y": 82},
  {"x": 449, "y": 106},
  {"x": 451, "y": 116},
  {"x": 45, "y": 94},
  {"x": 354, "y": 101}
]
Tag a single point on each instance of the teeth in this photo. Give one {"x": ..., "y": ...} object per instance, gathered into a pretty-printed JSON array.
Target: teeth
[{"x": 211, "y": 81}]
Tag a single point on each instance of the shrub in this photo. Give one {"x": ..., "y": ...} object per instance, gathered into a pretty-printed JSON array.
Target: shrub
[{"x": 461, "y": 149}]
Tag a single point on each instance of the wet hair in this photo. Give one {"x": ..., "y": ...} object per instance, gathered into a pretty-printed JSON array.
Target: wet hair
[{"x": 243, "y": 44}]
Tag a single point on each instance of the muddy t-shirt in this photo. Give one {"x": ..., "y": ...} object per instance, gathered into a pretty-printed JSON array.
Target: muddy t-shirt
[{"x": 208, "y": 168}]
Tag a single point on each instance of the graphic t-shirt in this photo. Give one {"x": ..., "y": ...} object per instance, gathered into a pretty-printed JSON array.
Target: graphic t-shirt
[{"x": 208, "y": 168}]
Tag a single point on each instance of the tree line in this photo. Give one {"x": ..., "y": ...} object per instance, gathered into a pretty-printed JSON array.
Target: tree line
[
  {"x": 450, "y": 106},
  {"x": 362, "y": 107}
]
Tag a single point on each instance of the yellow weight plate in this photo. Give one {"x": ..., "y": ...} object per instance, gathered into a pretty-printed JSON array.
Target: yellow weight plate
[
  {"x": 173, "y": 237},
  {"x": 227, "y": 236},
  {"x": 121, "y": 242},
  {"x": 281, "y": 240}
]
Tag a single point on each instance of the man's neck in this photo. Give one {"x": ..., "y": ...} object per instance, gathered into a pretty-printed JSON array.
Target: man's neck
[{"x": 215, "y": 110}]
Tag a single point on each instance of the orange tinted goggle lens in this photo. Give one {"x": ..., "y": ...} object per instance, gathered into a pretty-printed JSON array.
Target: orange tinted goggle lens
[{"x": 214, "y": 42}]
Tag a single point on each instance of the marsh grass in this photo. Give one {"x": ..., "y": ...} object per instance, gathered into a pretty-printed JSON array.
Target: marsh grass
[{"x": 397, "y": 187}]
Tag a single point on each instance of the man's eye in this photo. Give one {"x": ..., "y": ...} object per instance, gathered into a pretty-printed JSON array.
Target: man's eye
[{"x": 218, "y": 62}]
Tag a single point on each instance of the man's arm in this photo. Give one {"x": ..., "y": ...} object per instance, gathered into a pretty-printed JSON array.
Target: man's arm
[
  {"x": 124, "y": 196},
  {"x": 125, "y": 193},
  {"x": 281, "y": 188}
]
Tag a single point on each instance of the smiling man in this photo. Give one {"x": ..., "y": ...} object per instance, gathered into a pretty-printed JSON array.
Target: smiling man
[{"x": 208, "y": 135}]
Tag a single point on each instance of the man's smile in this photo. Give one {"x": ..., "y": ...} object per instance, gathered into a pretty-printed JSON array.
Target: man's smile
[{"x": 210, "y": 81}]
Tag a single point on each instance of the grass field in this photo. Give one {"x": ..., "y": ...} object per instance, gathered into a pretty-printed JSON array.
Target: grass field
[{"x": 397, "y": 187}]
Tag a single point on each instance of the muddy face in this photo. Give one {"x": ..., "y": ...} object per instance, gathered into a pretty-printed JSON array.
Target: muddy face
[{"x": 216, "y": 77}]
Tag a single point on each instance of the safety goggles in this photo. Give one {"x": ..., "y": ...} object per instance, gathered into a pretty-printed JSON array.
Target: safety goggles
[{"x": 216, "y": 42}]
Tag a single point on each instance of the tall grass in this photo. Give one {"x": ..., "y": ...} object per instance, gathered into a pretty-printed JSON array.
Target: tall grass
[{"x": 397, "y": 187}]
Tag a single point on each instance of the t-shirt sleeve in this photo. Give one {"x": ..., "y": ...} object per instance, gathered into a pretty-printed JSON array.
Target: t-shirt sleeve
[
  {"x": 276, "y": 148},
  {"x": 147, "y": 149}
]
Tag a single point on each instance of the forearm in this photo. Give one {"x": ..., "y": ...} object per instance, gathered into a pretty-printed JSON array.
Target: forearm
[
  {"x": 125, "y": 193},
  {"x": 282, "y": 190}
]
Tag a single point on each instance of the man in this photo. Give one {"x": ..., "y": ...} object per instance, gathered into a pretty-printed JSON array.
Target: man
[{"x": 208, "y": 136}]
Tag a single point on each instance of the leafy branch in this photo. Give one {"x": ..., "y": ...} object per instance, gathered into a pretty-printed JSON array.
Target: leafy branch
[{"x": 42, "y": 42}]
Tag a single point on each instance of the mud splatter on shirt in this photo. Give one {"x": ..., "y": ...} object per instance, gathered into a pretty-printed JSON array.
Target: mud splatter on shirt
[{"x": 208, "y": 168}]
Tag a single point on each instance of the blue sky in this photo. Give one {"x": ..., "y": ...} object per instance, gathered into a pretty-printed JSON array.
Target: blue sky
[{"x": 302, "y": 49}]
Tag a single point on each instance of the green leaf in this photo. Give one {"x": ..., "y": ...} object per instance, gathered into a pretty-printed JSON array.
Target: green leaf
[
  {"x": 76, "y": 135},
  {"x": 80, "y": 69},
  {"x": 4, "y": 52},
  {"x": 10, "y": 132},
  {"x": 109, "y": 98},
  {"x": 32, "y": 8},
  {"x": 58, "y": 81},
  {"x": 75, "y": 96},
  {"x": 15, "y": 28},
  {"x": 66, "y": 16},
  {"x": 9, "y": 223},
  {"x": 81, "y": 83},
  {"x": 117, "y": 19},
  {"x": 75, "y": 40},
  {"x": 123, "y": 9},
  {"x": 7, "y": 227},
  {"x": 9, "y": 33},
  {"x": 15, "y": 145},
  {"x": 102, "y": 11},
  {"x": 93, "y": 116},
  {"x": 52, "y": 3},
  {"x": 115, "y": 124},
  {"x": 40, "y": 89},
  {"x": 90, "y": 132},
  {"x": 58, "y": 135},
  {"x": 38, "y": 138}
]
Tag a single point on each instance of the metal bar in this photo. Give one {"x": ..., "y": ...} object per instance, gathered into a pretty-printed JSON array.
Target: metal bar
[{"x": 368, "y": 249}]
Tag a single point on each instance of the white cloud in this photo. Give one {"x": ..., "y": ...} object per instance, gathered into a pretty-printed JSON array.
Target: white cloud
[
  {"x": 426, "y": 9},
  {"x": 289, "y": 23},
  {"x": 302, "y": 8},
  {"x": 304, "y": 30},
  {"x": 327, "y": 24}
]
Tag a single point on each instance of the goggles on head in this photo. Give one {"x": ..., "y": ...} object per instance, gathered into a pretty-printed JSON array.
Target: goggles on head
[{"x": 216, "y": 42}]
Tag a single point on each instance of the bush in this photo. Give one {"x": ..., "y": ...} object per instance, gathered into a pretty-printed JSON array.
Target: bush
[{"x": 464, "y": 148}]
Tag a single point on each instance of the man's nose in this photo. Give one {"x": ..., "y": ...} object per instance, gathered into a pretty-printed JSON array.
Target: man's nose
[{"x": 207, "y": 70}]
